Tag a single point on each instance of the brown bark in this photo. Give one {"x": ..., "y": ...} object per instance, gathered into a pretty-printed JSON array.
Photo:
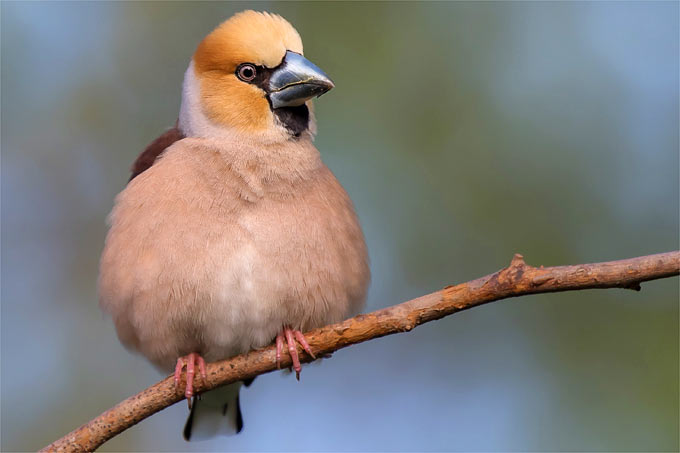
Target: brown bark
[{"x": 516, "y": 280}]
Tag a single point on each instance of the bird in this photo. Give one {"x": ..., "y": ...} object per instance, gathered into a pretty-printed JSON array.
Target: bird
[{"x": 232, "y": 234}]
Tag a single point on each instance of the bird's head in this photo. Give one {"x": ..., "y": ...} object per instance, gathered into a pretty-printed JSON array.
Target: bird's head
[{"x": 248, "y": 76}]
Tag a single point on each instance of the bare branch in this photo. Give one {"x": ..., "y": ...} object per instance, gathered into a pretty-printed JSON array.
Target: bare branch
[{"x": 516, "y": 280}]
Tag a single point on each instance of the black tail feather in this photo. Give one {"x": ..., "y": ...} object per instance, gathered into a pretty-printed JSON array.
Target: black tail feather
[
  {"x": 239, "y": 416},
  {"x": 186, "y": 433}
]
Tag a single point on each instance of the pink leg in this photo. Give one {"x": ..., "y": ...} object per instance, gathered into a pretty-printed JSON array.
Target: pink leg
[
  {"x": 190, "y": 362},
  {"x": 303, "y": 342},
  {"x": 292, "y": 350},
  {"x": 279, "y": 349},
  {"x": 189, "y": 389},
  {"x": 178, "y": 372},
  {"x": 291, "y": 336},
  {"x": 201, "y": 368}
]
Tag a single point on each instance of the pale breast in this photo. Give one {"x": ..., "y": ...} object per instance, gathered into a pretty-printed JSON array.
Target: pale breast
[
  {"x": 198, "y": 268},
  {"x": 302, "y": 262}
]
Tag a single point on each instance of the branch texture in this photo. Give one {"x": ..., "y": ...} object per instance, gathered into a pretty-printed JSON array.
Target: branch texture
[{"x": 518, "y": 279}]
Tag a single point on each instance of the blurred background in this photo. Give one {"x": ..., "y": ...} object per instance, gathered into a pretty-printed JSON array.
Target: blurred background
[{"x": 464, "y": 133}]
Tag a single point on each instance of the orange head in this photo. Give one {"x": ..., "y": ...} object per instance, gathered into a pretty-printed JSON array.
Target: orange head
[{"x": 249, "y": 77}]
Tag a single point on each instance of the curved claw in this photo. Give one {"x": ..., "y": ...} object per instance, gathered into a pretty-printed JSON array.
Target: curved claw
[{"x": 303, "y": 342}]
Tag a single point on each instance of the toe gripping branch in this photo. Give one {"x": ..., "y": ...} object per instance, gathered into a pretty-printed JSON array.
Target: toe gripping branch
[
  {"x": 194, "y": 359},
  {"x": 291, "y": 336},
  {"x": 189, "y": 361}
]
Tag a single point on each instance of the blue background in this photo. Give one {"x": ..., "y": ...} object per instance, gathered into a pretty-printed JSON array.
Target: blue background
[{"x": 464, "y": 133}]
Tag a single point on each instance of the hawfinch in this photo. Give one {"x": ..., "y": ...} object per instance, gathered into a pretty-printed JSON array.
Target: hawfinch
[{"x": 231, "y": 233}]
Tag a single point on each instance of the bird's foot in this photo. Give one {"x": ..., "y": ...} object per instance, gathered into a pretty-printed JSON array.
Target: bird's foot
[
  {"x": 291, "y": 336},
  {"x": 190, "y": 361}
]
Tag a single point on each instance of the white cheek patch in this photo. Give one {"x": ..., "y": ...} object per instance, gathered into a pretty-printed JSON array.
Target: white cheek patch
[{"x": 192, "y": 120}]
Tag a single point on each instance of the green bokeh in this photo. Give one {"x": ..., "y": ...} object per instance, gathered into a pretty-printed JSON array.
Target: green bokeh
[{"x": 464, "y": 132}]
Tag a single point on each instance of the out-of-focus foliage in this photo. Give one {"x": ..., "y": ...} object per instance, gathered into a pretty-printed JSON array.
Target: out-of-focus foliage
[{"x": 464, "y": 132}]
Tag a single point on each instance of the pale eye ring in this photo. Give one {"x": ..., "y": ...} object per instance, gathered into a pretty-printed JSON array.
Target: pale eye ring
[{"x": 246, "y": 72}]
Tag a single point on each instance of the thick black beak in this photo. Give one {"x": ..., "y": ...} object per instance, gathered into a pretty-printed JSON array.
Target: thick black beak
[{"x": 296, "y": 81}]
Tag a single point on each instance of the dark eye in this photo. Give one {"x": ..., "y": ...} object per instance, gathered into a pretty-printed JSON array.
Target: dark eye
[{"x": 246, "y": 72}]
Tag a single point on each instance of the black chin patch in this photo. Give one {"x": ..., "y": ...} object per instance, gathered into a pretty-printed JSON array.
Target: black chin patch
[{"x": 296, "y": 119}]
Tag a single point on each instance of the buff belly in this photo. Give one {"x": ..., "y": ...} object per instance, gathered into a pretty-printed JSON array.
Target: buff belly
[{"x": 223, "y": 294}]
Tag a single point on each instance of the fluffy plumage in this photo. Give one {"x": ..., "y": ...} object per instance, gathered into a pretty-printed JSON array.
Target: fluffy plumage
[
  {"x": 216, "y": 246},
  {"x": 237, "y": 229}
]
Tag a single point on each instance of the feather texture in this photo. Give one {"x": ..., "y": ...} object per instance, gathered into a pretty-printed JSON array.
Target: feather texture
[
  {"x": 231, "y": 227},
  {"x": 215, "y": 247}
]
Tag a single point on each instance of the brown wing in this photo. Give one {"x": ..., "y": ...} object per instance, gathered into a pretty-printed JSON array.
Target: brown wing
[{"x": 151, "y": 153}]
